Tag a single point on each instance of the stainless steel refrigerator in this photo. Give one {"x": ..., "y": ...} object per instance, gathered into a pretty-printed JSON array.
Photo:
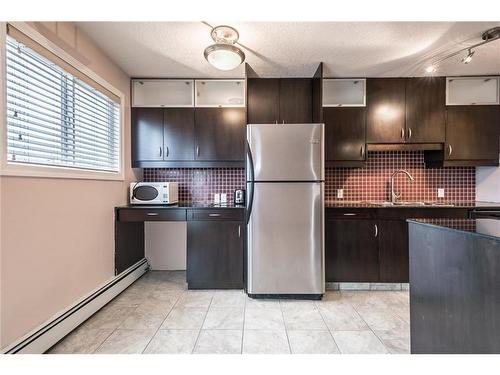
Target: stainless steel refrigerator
[{"x": 285, "y": 210}]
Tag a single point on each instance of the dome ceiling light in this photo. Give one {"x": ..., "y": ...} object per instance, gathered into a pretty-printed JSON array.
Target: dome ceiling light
[
  {"x": 488, "y": 36},
  {"x": 224, "y": 55}
]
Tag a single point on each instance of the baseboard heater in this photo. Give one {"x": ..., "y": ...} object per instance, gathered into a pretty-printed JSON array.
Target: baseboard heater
[{"x": 45, "y": 336}]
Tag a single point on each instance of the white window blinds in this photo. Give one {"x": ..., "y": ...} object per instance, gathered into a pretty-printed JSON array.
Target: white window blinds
[{"x": 56, "y": 118}]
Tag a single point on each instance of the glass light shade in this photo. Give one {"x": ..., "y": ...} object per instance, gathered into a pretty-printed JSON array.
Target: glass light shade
[{"x": 224, "y": 56}]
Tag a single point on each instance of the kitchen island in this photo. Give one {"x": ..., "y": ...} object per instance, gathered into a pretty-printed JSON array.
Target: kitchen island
[{"x": 455, "y": 285}]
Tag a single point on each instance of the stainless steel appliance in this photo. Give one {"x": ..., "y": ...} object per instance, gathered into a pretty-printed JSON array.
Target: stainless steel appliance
[
  {"x": 153, "y": 192},
  {"x": 239, "y": 196},
  {"x": 285, "y": 210}
]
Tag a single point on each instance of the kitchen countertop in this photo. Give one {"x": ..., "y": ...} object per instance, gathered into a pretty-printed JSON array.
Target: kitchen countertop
[
  {"x": 183, "y": 205},
  {"x": 481, "y": 227},
  {"x": 373, "y": 204}
]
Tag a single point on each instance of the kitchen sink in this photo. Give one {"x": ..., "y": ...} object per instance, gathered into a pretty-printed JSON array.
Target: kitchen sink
[{"x": 411, "y": 204}]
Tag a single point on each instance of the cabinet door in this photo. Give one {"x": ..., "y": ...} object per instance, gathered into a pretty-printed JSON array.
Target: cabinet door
[
  {"x": 178, "y": 136},
  {"x": 220, "y": 93},
  {"x": 220, "y": 134},
  {"x": 425, "y": 110},
  {"x": 147, "y": 134},
  {"x": 344, "y": 133},
  {"x": 295, "y": 104},
  {"x": 472, "y": 133},
  {"x": 214, "y": 254},
  {"x": 385, "y": 117},
  {"x": 393, "y": 251},
  {"x": 351, "y": 253},
  {"x": 162, "y": 93},
  {"x": 263, "y": 100}
]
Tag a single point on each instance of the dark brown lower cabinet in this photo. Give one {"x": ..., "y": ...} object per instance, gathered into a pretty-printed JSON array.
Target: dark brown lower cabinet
[
  {"x": 393, "y": 251},
  {"x": 215, "y": 254},
  {"x": 351, "y": 250}
]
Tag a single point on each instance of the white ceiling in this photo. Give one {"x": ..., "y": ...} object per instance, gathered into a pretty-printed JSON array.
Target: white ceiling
[{"x": 291, "y": 49}]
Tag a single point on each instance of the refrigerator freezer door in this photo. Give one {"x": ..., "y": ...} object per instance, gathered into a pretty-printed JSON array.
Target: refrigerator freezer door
[
  {"x": 286, "y": 152},
  {"x": 286, "y": 239}
]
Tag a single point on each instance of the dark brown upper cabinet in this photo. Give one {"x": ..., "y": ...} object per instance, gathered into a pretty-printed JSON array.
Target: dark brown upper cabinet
[
  {"x": 147, "y": 135},
  {"x": 295, "y": 100},
  {"x": 472, "y": 135},
  {"x": 385, "y": 116},
  {"x": 344, "y": 135},
  {"x": 263, "y": 100},
  {"x": 178, "y": 134},
  {"x": 273, "y": 100},
  {"x": 425, "y": 110},
  {"x": 220, "y": 134}
]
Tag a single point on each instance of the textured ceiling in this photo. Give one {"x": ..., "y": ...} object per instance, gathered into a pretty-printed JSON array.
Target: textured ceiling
[{"x": 276, "y": 49}]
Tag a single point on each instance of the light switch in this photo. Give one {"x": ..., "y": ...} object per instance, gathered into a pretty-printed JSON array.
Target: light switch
[
  {"x": 340, "y": 193},
  {"x": 440, "y": 193}
]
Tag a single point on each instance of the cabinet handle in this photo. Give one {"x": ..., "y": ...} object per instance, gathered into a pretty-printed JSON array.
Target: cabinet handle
[
  {"x": 239, "y": 230},
  {"x": 450, "y": 150},
  {"x": 214, "y": 215},
  {"x": 168, "y": 152},
  {"x": 160, "y": 151},
  {"x": 152, "y": 214},
  {"x": 409, "y": 133},
  {"x": 276, "y": 121},
  {"x": 402, "y": 134},
  {"x": 362, "y": 151},
  {"x": 349, "y": 214},
  {"x": 197, "y": 150},
  {"x": 376, "y": 231}
]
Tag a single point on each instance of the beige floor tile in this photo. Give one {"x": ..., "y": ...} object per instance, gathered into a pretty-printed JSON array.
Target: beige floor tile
[
  {"x": 396, "y": 341},
  {"x": 109, "y": 317},
  {"x": 126, "y": 341},
  {"x": 170, "y": 341},
  {"x": 265, "y": 342},
  {"x": 312, "y": 342},
  {"x": 381, "y": 319},
  {"x": 143, "y": 320},
  {"x": 219, "y": 342},
  {"x": 358, "y": 342},
  {"x": 195, "y": 299},
  {"x": 303, "y": 318},
  {"x": 229, "y": 299},
  {"x": 81, "y": 341},
  {"x": 224, "y": 318},
  {"x": 342, "y": 317},
  {"x": 257, "y": 318},
  {"x": 252, "y": 303},
  {"x": 156, "y": 306},
  {"x": 184, "y": 318}
]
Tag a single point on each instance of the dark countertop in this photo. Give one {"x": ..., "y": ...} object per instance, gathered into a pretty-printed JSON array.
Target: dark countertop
[
  {"x": 183, "y": 205},
  {"x": 438, "y": 204},
  {"x": 481, "y": 227}
]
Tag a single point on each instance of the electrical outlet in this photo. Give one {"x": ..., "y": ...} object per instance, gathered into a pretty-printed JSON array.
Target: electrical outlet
[
  {"x": 340, "y": 193},
  {"x": 216, "y": 198},
  {"x": 440, "y": 193},
  {"x": 223, "y": 198}
]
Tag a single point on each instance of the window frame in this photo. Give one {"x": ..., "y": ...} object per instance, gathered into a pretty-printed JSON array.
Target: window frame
[{"x": 8, "y": 168}]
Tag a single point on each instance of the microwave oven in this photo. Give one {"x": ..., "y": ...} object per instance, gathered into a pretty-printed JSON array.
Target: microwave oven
[{"x": 154, "y": 192}]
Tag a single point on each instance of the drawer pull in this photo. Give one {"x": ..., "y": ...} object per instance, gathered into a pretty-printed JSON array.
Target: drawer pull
[
  {"x": 152, "y": 214},
  {"x": 376, "y": 230},
  {"x": 239, "y": 230},
  {"x": 214, "y": 215},
  {"x": 349, "y": 214}
]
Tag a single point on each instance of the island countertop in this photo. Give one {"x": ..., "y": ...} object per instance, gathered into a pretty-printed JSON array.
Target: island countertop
[{"x": 481, "y": 227}]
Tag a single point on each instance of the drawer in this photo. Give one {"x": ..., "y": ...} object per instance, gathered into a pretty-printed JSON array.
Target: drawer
[
  {"x": 422, "y": 213},
  {"x": 349, "y": 213},
  {"x": 234, "y": 214},
  {"x": 153, "y": 214}
]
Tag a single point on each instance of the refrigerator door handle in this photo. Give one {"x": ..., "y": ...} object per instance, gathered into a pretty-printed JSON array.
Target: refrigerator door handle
[{"x": 251, "y": 181}]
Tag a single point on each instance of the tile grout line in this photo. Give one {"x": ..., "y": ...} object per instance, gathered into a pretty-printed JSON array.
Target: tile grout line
[
  {"x": 244, "y": 315},
  {"x": 166, "y": 316},
  {"x": 378, "y": 338},
  {"x": 286, "y": 329},
  {"x": 328, "y": 328},
  {"x": 202, "y": 324}
]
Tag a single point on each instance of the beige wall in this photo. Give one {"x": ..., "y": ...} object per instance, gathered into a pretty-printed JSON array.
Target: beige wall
[{"x": 56, "y": 235}]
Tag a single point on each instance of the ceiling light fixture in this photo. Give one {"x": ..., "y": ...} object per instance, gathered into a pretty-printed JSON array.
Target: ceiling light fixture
[
  {"x": 224, "y": 55},
  {"x": 467, "y": 59},
  {"x": 488, "y": 36}
]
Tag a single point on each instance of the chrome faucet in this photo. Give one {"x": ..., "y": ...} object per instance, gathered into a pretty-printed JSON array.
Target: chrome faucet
[{"x": 395, "y": 196}]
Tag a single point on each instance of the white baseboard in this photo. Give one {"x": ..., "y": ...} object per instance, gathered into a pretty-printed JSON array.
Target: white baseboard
[{"x": 49, "y": 333}]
